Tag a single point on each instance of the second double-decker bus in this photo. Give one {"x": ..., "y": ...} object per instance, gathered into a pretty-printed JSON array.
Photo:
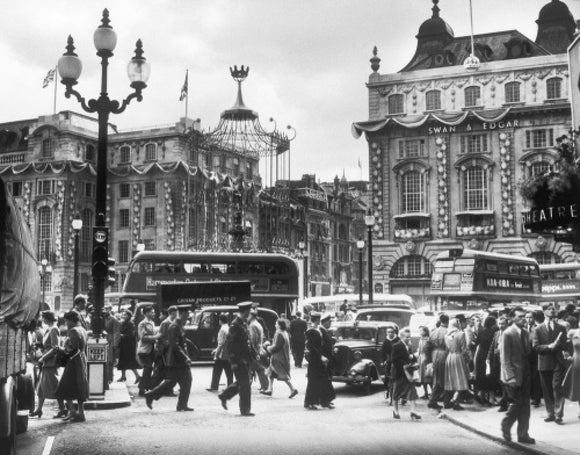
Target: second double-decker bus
[
  {"x": 273, "y": 278},
  {"x": 470, "y": 280},
  {"x": 560, "y": 283}
]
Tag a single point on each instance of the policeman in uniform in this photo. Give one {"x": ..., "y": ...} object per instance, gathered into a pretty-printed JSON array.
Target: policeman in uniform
[
  {"x": 177, "y": 364},
  {"x": 238, "y": 344}
]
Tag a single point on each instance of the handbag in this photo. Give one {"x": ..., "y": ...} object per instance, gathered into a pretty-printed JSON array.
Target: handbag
[
  {"x": 412, "y": 373},
  {"x": 62, "y": 358}
]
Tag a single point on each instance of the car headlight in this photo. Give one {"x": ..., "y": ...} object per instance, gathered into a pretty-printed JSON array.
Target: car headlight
[{"x": 357, "y": 355}]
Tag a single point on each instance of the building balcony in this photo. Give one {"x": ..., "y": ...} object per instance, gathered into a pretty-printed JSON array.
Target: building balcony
[
  {"x": 476, "y": 223},
  {"x": 412, "y": 234},
  {"x": 412, "y": 226}
]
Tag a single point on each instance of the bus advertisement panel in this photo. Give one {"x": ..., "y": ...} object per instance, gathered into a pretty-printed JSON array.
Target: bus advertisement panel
[
  {"x": 561, "y": 283},
  {"x": 204, "y": 293},
  {"x": 475, "y": 280}
]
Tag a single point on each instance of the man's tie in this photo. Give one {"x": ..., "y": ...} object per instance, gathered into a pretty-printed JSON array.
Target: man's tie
[{"x": 524, "y": 341}]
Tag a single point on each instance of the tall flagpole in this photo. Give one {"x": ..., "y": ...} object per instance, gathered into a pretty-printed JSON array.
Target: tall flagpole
[
  {"x": 187, "y": 92},
  {"x": 55, "y": 84}
]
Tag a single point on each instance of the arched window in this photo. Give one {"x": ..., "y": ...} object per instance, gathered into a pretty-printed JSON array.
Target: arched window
[
  {"x": 44, "y": 232},
  {"x": 125, "y": 154},
  {"x": 412, "y": 192},
  {"x": 47, "y": 150},
  {"x": 85, "y": 243},
  {"x": 472, "y": 96},
  {"x": 475, "y": 188},
  {"x": 396, "y": 104},
  {"x": 512, "y": 92},
  {"x": 150, "y": 152},
  {"x": 546, "y": 257},
  {"x": 539, "y": 168},
  {"x": 554, "y": 88},
  {"x": 433, "y": 100},
  {"x": 411, "y": 266}
]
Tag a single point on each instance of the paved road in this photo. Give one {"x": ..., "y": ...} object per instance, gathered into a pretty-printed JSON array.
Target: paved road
[{"x": 359, "y": 425}]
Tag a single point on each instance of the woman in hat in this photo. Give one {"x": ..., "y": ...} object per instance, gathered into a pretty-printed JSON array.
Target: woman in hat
[
  {"x": 128, "y": 348},
  {"x": 48, "y": 380},
  {"x": 74, "y": 384},
  {"x": 456, "y": 369}
]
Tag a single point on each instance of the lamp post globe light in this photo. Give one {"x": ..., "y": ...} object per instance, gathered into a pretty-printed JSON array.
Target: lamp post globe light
[
  {"x": 304, "y": 254},
  {"x": 360, "y": 244},
  {"x": 77, "y": 225},
  {"x": 370, "y": 224},
  {"x": 70, "y": 68},
  {"x": 44, "y": 268}
]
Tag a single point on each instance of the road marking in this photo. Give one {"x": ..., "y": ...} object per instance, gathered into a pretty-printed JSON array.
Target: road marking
[{"x": 48, "y": 445}]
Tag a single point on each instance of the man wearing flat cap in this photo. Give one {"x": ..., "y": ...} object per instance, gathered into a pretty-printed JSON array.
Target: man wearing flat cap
[
  {"x": 177, "y": 364},
  {"x": 161, "y": 347},
  {"x": 549, "y": 341},
  {"x": 327, "y": 351},
  {"x": 256, "y": 335},
  {"x": 238, "y": 346}
]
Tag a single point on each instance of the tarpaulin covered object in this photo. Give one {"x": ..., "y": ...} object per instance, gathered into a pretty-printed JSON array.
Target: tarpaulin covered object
[{"x": 19, "y": 278}]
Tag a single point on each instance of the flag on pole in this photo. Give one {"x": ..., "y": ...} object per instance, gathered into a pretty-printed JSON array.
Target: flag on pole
[
  {"x": 49, "y": 77},
  {"x": 183, "y": 94}
]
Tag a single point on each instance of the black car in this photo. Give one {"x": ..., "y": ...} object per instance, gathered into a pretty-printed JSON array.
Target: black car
[
  {"x": 203, "y": 332},
  {"x": 357, "y": 351}
]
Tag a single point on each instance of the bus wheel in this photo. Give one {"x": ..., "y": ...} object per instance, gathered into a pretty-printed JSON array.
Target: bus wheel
[{"x": 8, "y": 444}]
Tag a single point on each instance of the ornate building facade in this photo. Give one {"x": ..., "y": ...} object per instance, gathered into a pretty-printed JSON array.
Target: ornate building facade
[{"x": 448, "y": 145}]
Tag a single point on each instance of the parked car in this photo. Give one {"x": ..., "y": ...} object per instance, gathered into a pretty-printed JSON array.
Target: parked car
[
  {"x": 357, "y": 351},
  {"x": 204, "y": 330}
]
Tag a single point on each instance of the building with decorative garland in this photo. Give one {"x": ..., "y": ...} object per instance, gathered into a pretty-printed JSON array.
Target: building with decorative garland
[
  {"x": 173, "y": 187},
  {"x": 449, "y": 141}
]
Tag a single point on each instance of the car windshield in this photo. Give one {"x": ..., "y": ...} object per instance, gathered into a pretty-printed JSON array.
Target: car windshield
[
  {"x": 401, "y": 318},
  {"x": 356, "y": 333}
]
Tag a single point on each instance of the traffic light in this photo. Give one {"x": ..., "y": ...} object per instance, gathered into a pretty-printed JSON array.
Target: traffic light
[
  {"x": 100, "y": 252},
  {"x": 111, "y": 274}
]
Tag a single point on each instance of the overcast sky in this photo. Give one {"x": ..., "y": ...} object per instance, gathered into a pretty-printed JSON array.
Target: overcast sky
[{"x": 308, "y": 59}]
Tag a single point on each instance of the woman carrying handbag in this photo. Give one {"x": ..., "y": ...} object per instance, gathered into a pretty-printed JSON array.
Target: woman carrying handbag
[
  {"x": 48, "y": 380},
  {"x": 404, "y": 374}
]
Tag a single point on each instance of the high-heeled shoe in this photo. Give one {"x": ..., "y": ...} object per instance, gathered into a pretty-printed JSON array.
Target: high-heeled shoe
[
  {"x": 396, "y": 415},
  {"x": 60, "y": 414},
  {"x": 35, "y": 413},
  {"x": 415, "y": 416}
]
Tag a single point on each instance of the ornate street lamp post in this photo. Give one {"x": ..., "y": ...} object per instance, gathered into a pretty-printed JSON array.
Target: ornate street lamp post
[
  {"x": 44, "y": 269},
  {"x": 77, "y": 225},
  {"x": 69, "y": 68},
  {"x": 370, "y": 224},
  {"x": 360, "y": 244},
  {"x": 304, "y": 254}
]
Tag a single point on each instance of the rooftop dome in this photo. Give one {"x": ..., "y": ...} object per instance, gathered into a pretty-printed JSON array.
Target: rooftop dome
[
  {"x": 556, "y": 11},
  {"x": 435, "y": 25}
]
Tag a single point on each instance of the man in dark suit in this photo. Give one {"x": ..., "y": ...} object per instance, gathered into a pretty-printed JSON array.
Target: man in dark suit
[
  {"x": 536, "y": 388},
  {"x": 549, "y": 340},
  {"x": 515, "y": 375},
  {"x": 238, "y": 345},
  {"x": 177, "y": 364},
  {"x": 297, "y": 331}
]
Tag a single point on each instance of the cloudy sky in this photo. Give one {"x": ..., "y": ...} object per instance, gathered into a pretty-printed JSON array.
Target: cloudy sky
[{"x": 308, "y": 59}]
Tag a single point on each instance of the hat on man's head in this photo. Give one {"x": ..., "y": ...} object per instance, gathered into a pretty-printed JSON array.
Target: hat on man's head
[
  {"x": 315, "y": 315},
  {"x": 80, "y": 298},
  {"x": 172, "y": 309},
  {"x": 325, "y": 317},
  {"x": 48, "y": 315},
  {"x": 548, "y": 306},
  {"x": 243, "y": 306},
  {"x": 183, "y": 307},
  {"x": 146, "y": 308}
]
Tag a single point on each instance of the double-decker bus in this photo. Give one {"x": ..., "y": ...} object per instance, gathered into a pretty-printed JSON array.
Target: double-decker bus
[
  {"x": 560, "y": 283},
  {"x": 273, "y": 278},
  {"x": 470, "y": 280}
]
